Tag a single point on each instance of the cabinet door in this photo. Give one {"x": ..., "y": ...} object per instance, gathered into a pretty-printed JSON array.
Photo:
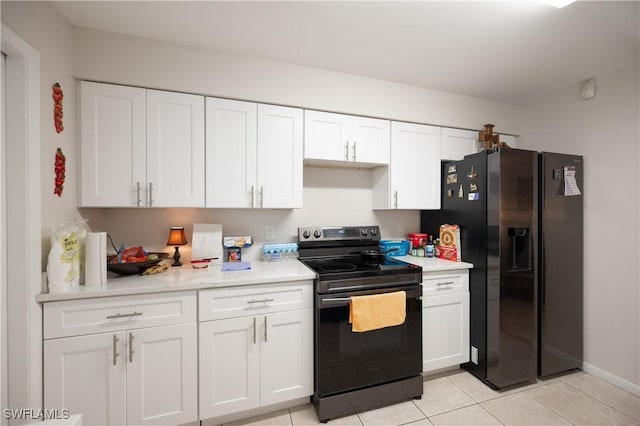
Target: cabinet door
[
  {"x": 229, "y": 366},
  {"x": 279, "y": 157},
  {"x": 457, "y": 143},
  {"x": 326, "y": 136},
  {"x": 87, "y": 375},
  {"x": 445, "y": 327},
  {"x": 415, "y": 166},
  {"x": 369, "y": 140},
  {"x": 162, "y": 384},
  {"x": 175, "y": 149},
  {"x": 231, "y": 139},
  {"x": 286, "y": 364},
  {"x": 112, "y": 145}
]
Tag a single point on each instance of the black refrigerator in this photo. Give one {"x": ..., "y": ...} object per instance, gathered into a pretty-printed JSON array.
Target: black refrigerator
[{"x": 520, "y": 221}]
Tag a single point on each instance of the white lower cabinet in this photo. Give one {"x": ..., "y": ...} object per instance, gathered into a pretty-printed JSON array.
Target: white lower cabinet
[
  {"x": 255, "y": 360},
  {"x": 134, "y": 376},
  {"x": 445, "y": 320}
]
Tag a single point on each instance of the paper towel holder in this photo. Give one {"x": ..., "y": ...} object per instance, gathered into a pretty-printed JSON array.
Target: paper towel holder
[{"x": 177, "y": 238}]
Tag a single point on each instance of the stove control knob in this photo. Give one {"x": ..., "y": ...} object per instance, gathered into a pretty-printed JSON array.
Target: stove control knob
[
  {"x": 364, "y": 232},
  {"x": 306, "y": 234},
  {"x": 374, "y": 232},
  {"x": 317, "y": 234}
]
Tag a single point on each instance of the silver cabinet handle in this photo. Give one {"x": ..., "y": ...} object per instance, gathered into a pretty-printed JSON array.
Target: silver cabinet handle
[
  {"x": 354, "y": 150},
  {"x": 445, "y": 283},
  {"x": 395, "y": 196},
  {"x": 115, "y": 348},
  {"x": 262, "y": 196},
  {"x": 150, "y": 194},
  {"x": 346, "y": 150},
  {"x": 138, "y": 188},
  {"x": 131, "y": 351},
  {"x": 252, "y": 195},
  {"x": 265, "y": 329},
  {"x": 259, "y": 301},
  {"x": 133, "y": 314},
  {"x": 254, "y": 330}
]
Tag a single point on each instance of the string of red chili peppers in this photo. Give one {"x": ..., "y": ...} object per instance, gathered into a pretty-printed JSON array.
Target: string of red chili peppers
[{"x": 60, "y": 160}]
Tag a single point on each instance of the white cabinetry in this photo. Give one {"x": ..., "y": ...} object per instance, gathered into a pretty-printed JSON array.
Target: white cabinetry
[
  {"x": 340, "y": 139},
  {"x": 412, "y": 180},
  {"x": 256, "y": 347},
  {"x": 445, "y": 319},
  {"x": 456, "y": 143},
  {"x": 140, "y": 147},
  {"x": 137, "y": 365},
  {"x": 253, "y": 155}
]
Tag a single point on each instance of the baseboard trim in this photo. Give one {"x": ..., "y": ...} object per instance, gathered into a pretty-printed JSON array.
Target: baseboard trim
[{"x": 611, "y": 378}]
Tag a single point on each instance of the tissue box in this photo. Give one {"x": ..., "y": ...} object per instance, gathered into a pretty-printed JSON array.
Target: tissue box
[
  {"x": 244, "y": 241},
  {"x": 399, "y": 247}
]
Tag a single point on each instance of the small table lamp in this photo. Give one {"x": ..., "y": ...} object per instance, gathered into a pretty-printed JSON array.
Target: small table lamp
[{"x": 177, "y": 238}]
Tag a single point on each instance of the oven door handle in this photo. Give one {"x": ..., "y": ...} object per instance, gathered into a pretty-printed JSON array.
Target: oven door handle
[{"x": 327, "y": 301}]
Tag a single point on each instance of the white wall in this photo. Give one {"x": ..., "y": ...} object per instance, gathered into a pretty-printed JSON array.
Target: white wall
[
  {"x": 40, "y": 25},
  {"x": 122, "y": 59},
  {"x": 605, "y": 130}
]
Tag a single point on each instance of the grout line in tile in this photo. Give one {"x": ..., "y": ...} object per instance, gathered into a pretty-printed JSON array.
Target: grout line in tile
[
  {"x": 601, "y": 402},
  {"x": 487, "y": 411}
]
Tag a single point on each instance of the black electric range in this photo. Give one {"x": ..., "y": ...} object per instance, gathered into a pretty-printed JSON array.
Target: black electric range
[{"x": 355, "y": 371}]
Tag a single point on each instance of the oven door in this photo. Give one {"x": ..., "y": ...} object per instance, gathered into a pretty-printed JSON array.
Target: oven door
[{"x": 346, "y": 361}]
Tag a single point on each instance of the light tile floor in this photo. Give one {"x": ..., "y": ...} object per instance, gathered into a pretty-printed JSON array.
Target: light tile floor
[{"x": 458, "y": 398}]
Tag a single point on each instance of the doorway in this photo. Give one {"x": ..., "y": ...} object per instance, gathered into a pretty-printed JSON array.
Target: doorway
[{"x": 20, "y": 255}]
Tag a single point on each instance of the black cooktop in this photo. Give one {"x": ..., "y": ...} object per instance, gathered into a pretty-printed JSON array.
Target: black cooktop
[{"x": 357, "y": 266}]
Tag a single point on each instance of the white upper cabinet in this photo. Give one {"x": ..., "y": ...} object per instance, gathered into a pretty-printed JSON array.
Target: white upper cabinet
[
  {"x": 140, "y": 148},
  {"x": 175, "y": 149},
  {"x": 340, "y": 139},
  {"x": 280, "y": 140},
  {"x": 231, "y": 153},
  {"x": 412, "y": 180},
  {"x": 254, "y": 155},
  {"x": 456, "y": 143},
  {"x": 113, "y": 138}
]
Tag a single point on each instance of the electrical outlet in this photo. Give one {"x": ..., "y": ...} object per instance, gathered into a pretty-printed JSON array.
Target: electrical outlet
[
  {"x": 474, "y": 355},
  {"x": 400, "y": 230},
  {"x": 270, "y": 233}
]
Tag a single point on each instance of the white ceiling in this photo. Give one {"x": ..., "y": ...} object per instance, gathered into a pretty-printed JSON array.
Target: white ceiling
[{"x": 512, "y": 51}]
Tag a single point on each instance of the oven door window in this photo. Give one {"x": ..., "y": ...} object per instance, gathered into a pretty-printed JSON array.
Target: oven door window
[{"x": 348, "y": 361}]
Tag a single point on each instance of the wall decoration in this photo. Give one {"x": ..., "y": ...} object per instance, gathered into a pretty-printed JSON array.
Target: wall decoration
[
  {"x": 57, "y": 96},
  {"x": 490, "y": 140},
  {"x": 59, "y": 169}
]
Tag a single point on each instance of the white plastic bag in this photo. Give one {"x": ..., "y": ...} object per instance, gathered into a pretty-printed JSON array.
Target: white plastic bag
[{"x": 65, "y": 257}]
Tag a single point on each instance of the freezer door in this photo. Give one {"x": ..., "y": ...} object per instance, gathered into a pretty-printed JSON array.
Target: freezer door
[
  {"x": 511, "y": 267},
  {"x": 561, "y": 266}
]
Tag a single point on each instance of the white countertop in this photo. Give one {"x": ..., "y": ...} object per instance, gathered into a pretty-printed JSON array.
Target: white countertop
[
  {"x": 187, "y": 278},
  {"x": 434, "y": 264}
]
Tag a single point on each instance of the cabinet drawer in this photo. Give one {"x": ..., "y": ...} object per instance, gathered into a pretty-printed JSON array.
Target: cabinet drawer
[
  {"x": 254, "y": 300},
  {"x": 77, "y": 317},
  {"x": 445, "y": 283}
]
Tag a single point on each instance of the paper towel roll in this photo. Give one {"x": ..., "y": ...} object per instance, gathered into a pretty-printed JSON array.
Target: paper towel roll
[{"x": 95, "y": 267}]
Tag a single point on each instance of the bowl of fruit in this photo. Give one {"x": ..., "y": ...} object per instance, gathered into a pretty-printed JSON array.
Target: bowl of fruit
[{"x": 133, "y": 260}]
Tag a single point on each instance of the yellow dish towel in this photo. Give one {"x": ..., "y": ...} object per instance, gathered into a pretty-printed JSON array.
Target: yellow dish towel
[{"x": 377, "y": 311}]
